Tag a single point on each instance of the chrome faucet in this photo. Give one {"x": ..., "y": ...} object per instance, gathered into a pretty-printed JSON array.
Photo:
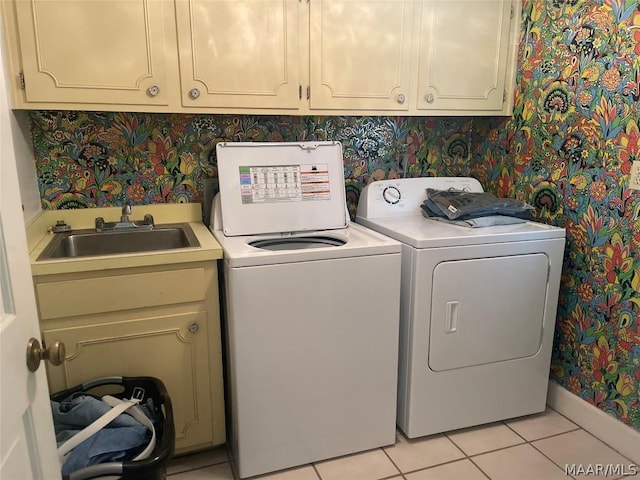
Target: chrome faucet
[
  {"x": 125, "y": 222},
  {"x": 126, "y": 211}
]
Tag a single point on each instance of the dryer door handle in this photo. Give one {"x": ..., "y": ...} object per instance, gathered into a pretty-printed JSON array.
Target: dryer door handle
[{"x": 451, "y": 322}]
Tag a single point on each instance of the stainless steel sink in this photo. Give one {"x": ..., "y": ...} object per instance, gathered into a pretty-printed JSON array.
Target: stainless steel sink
[{"x": 89, "y": 243}]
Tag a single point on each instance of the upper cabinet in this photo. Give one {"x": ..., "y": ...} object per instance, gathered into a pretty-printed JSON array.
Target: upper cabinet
[
  {"x": 464, "y": 56},
  {"x": 360, "y": 54},
  {"x": 298, "y": 57},
  {"x": 98, "y": 52},
  {"x": 239, "y": 54}
]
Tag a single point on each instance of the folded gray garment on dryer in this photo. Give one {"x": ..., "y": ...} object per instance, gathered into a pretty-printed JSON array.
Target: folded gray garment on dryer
[
  {"x": 461, "y": 205},
  {"x": 479, "y": 222}
]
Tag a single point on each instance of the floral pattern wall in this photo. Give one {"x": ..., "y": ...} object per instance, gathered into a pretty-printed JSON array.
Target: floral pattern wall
[
  {"x": 567, "y": 150},
  {"x": 89, "y": 159}
]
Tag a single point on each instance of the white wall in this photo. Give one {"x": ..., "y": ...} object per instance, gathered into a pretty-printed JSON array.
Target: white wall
[{"x": 24, "y": 156}]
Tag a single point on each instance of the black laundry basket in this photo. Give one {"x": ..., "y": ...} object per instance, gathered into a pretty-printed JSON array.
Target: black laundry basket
[{"x": 155, "y": 465}]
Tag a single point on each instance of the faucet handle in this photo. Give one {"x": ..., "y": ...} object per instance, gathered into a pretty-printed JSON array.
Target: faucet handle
[
  {"x": 99, "y": 224},
  {"x": 148, "y": 220}
]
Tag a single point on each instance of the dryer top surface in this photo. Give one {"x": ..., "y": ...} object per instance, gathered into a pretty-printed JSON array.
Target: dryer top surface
[
  {"x": 420, "y": 232},
  {"x": 392, "y": 207}
]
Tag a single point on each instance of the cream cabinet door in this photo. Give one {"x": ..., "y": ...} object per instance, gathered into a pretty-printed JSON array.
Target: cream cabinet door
[
  {"x": 360, "y": 54},
  {"x": 463, "y": 54},
  {"x": 173, "y": 348},
  {"x": 239, "y": 53},
  {"x": 99, "y": 51}
]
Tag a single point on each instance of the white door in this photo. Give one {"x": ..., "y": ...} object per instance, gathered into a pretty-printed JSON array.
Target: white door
[{"x": 27, "y": 441}]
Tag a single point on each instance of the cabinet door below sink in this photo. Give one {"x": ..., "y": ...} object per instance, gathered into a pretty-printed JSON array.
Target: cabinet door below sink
[
  {"x": 175, "y": 337},
  {"x": 161, "y": 347}
]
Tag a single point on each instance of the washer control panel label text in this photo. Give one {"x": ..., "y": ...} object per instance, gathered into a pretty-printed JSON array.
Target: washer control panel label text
[{"x": 289, "y": 183}]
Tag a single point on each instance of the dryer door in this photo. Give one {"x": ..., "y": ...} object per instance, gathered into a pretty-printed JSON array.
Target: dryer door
[{"x": 487, "y": 310}]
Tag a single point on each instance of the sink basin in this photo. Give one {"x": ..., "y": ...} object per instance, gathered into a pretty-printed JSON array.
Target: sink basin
[{"x": 89, "y": 243}]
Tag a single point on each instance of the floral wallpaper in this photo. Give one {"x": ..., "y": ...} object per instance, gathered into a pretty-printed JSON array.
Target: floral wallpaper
[
  {"x": 567, "y": 150},
  {"x": 89, "y": 159}
]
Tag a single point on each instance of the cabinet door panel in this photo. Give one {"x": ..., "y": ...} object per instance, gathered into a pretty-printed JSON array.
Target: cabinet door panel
[
  {"x": 163, "y": 347},
  {"x": 102, "y": 51},
  {"x": 463, "y": 51},
  {"x": 360, "y": 54},
  {"x": 239, "y": 53}
]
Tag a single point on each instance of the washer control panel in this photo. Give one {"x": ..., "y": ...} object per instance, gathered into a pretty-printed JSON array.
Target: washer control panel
[{"x": 402, "y": 197}]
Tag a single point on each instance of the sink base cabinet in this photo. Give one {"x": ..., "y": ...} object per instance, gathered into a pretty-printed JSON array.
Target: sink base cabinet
[{"x": 177, "y": 342}]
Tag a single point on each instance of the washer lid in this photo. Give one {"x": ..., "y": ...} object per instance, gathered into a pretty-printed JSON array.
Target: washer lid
[{"x": 281, "y": 187}]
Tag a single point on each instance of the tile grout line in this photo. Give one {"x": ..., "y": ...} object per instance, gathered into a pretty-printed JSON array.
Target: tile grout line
[
  {"x": 480, "y": 468},
  {"x": 602, "y": 441},
  {"x": 202, "y": 467},
  {"x": 546, "y": 436},
  {"x": 315, "y": 469},
  {"x": 578, "y": 428},
  {"x": 582, "y": 428},
  {"x": 394, "y": 463},
  {"x": 395, "y": 475},
  {"x": 410, "y": 472},
  {"x": 465, "y": 456},
  {"x": 524, "y": 442},
  {"x": 530, "y": 442},
  {"x": 569, "y": 431},
  {"x": 509, "y": 427},
  {"x": 551, "y": 460}
]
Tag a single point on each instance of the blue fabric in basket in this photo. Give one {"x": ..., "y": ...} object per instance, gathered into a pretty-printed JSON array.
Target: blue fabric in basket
[
  {"x": 79, "y": 410},
  {"x": 107, "y": 445},
  {"x": 120, "y": 440}
]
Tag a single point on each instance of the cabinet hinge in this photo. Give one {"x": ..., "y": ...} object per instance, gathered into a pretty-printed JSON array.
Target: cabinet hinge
[
  {"x": 300, "y": 92},
  {"x": 511, "y": 14},
  {"x": 308, "y": 92},
  {"x": 21, "y": 80},
  {"x": 504, "y": 96}
]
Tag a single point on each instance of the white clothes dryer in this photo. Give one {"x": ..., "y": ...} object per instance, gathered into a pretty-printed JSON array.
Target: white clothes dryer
[
  {"x": 312, "y": 309},
  {"x": 478, "y": 308}
]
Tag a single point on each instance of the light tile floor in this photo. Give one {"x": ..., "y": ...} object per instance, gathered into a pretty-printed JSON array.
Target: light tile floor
[{"x": 537, "y": 447}]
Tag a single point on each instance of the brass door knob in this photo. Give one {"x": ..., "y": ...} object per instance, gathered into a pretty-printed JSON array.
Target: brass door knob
[{"x": 55, "y": 353}]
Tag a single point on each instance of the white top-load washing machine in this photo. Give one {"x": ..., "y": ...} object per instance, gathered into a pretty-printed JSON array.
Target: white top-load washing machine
[
  {"x": 312, "y": 308},
  {"x": 478, "y": 309}
]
